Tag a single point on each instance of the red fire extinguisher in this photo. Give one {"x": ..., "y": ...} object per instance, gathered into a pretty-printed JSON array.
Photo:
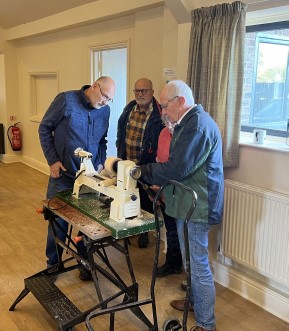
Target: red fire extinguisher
[{"x": 14, "y": 136}]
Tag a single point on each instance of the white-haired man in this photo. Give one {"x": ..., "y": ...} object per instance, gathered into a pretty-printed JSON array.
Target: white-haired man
[{"x": 195, "y": 160}]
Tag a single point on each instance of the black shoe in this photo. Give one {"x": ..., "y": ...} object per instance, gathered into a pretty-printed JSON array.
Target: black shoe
[
  {"x": 167, "y": 269},
  {"x": 184, "y": 285},
  {"x": 84, "y": 274},
  {"x": 50, "y": 270},
  {"x": 143, "y": 240}
]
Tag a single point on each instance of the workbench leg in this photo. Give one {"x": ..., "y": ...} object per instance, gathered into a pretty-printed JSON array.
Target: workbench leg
[
  {"x": 111, "y": 328},
  {"x": 21, "y": 296},
  {"x": 60, "y": 328}
]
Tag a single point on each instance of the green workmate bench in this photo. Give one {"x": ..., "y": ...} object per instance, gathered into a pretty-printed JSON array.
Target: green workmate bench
[
  {"x": 90, "y": 216},
  {"x": 89, "y": 205}
]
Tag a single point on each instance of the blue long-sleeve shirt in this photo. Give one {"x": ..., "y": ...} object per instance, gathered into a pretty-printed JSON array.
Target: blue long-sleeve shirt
[{"x": 69, "y": 123}]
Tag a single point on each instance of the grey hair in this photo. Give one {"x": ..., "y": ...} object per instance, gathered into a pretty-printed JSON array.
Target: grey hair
[
  {"x": 103, "y": 79},
  {"x": 106, "y": 80},
  {"x": 180, "y": 88}
]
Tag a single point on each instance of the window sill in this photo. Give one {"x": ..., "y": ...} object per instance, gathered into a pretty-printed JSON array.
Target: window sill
[{"x": 271, "y": 143}]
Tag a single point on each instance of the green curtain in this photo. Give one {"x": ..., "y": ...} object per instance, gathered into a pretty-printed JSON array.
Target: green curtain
[{"x": 216, "y": 68}]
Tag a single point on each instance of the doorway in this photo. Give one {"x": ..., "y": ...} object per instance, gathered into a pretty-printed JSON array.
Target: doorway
[{"x": 112, "y": 61}]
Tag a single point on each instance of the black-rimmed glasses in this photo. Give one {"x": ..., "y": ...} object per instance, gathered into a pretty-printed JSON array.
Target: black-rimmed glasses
[{"x": 142, "y": 91}]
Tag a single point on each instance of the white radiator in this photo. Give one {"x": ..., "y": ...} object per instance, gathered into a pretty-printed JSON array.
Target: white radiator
[{"x": 255, "y": 229}]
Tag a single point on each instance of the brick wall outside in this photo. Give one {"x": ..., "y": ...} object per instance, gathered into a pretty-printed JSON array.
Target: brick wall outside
[{"x": 249, "y": 75}]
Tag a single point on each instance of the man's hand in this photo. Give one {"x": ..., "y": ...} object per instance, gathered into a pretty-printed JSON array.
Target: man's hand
[
  {"x": 55, "y": 169},
  {"x": 155, "y": 189}
]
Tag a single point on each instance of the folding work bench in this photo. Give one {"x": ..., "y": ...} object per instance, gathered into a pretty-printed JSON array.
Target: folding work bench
[{"x": 88, "y": 215}]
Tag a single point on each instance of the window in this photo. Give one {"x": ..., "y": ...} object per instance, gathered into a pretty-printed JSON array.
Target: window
[{"x": 266, "y": 80}]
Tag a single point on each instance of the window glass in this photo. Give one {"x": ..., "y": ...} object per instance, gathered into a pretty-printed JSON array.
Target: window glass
[{"x": 266, "y": 80}]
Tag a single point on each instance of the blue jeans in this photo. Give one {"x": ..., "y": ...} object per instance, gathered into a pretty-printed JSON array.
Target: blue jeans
[
  {"x": 203, "y": 293},
  {"x": 56, "y": 185}
]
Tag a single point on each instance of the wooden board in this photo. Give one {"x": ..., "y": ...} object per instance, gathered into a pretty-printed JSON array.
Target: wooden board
[{"x": 79, "y": 220}]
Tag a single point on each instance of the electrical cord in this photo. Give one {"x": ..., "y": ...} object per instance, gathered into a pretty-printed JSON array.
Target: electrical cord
[
  {"x": 49, "y": 201},
  {"x": 79, "y": 174},
  {"x": 65, "y": 190}
]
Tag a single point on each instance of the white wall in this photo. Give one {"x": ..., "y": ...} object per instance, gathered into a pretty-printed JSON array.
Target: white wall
[
  {"x": 2, "y": 91},
  {"x": 1, "y": 39},
  {"x": 262, "y": 168},
  {"x": 67, "y": 53}
]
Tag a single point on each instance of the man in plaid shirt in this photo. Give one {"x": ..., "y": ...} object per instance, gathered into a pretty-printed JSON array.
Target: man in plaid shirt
[{"x": 138, "y": 131}]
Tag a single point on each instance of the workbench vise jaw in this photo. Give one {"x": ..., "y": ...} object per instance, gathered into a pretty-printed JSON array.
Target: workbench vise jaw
[{"x": 118, "y": 181}]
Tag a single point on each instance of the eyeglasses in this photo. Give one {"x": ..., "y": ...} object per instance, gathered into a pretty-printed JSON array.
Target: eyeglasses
[
  {"x": 142, "y": 91},
  {"x": 105, "y": 97},
  {"x": 165, "y": 106}
]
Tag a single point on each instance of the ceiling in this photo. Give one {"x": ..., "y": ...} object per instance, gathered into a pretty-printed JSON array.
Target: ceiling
[{"x": 16, "y": 12}]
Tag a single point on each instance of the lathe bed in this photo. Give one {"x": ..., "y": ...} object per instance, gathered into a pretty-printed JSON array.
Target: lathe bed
[{"x": 89, "y": 205}]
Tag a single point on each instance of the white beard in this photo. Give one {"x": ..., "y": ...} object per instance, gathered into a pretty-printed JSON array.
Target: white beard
[{"x": 98, "y": 106}]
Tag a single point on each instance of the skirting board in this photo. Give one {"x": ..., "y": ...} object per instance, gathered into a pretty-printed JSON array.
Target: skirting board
[
  {"x": 6, "y": 158},
  {"x": 35, "y": 164},
  {"x": 42, "y": 167},
  {"x": 248, "y": 288}
]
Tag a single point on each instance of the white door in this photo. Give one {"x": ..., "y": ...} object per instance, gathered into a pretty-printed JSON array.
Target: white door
[{"x": 112, "y": 62}]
